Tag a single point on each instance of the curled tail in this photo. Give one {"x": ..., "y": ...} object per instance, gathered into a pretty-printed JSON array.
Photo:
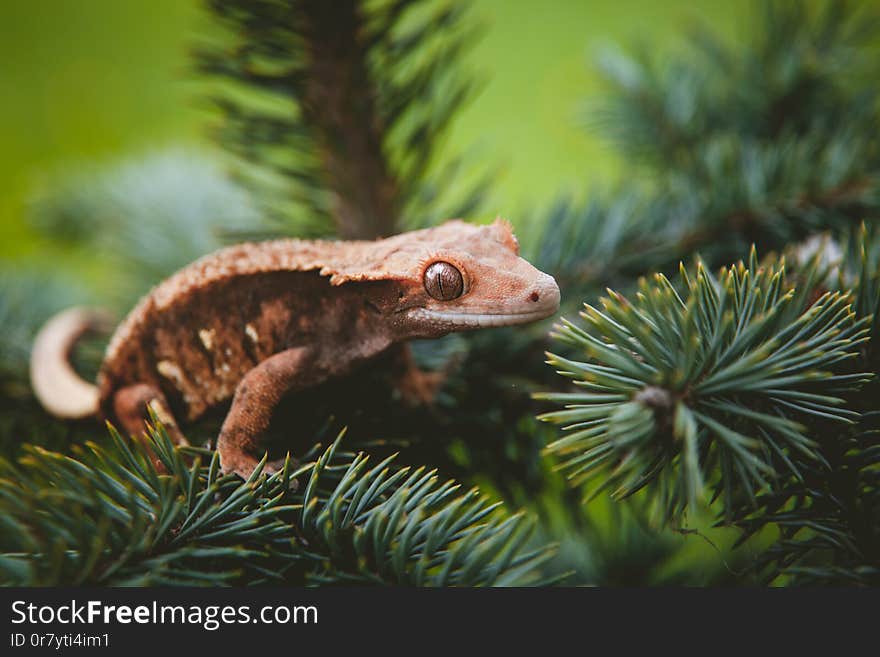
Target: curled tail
[{"x": 61, "y": 391}]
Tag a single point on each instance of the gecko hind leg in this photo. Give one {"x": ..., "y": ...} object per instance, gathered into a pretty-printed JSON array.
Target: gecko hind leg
[
  {"x": 240, "y": 442},
  {"x": 131, "y": 406}
]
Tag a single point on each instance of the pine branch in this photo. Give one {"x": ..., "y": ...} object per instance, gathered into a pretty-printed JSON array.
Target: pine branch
[
  {"x": 108, "y": 517},
  {"x": 820, "y": 488},
  {"x": 716, "y": 381},
  {"x": 421, "y": 533},
  {"x": 339, "y": 106},
  {"x": 828, "y": 519}
]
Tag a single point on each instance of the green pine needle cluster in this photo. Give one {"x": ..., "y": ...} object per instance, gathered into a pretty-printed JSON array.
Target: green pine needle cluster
[
  {"x": 146, "y": 513},
  {"x": 718, "y": 379}
]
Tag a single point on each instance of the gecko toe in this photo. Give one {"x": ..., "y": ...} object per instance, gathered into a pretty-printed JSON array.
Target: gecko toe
[
  {"x": 243, "y": 465},
  {"x": 276, "y": 466}
]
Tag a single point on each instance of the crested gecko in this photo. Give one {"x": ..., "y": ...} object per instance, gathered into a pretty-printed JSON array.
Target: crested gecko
[{"x": 255, "y": 321}]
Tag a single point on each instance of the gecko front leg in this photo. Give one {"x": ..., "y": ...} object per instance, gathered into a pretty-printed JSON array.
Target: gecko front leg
[
  {"x": 132, "y": 405},
  {"x": 257, "y": 395},
  {"x": 417, "y": 387}
]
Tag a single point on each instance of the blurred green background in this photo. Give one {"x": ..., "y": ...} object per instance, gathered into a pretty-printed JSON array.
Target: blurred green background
[{"x": 95, "y": 80}]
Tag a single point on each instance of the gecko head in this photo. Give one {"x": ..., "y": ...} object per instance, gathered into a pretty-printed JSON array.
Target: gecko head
[{"x": 460, "y": 276}]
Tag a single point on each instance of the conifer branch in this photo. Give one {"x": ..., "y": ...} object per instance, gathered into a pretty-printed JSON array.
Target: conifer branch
[
  {"x": 107, "y": 516},
  {"x": 715, "y": 381},
  {"x": 829, "y": 519},
  {"x": 340, "y": 106}
]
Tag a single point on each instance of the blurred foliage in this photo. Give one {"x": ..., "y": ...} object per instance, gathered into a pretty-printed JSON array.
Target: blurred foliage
[
  {"x": 762, "y": 141},
  {"x": 147, "y": 217}
]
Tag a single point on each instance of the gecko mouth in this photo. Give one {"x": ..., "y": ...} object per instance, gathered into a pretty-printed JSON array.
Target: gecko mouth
[{"x": 484, "y": 320}]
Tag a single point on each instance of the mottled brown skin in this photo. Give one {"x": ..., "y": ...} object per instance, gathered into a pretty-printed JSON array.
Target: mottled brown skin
[
  {"x": 196, "y": 351},
  {"x": 268, "y": 347},
  {"x": 254, "y": 322}
]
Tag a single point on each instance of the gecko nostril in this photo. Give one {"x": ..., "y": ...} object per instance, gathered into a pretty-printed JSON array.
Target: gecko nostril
[{"x": 534, "y": 297}]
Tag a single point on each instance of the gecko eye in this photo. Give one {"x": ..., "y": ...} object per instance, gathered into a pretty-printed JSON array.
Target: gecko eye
[{"x": 443, "y": 281}]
